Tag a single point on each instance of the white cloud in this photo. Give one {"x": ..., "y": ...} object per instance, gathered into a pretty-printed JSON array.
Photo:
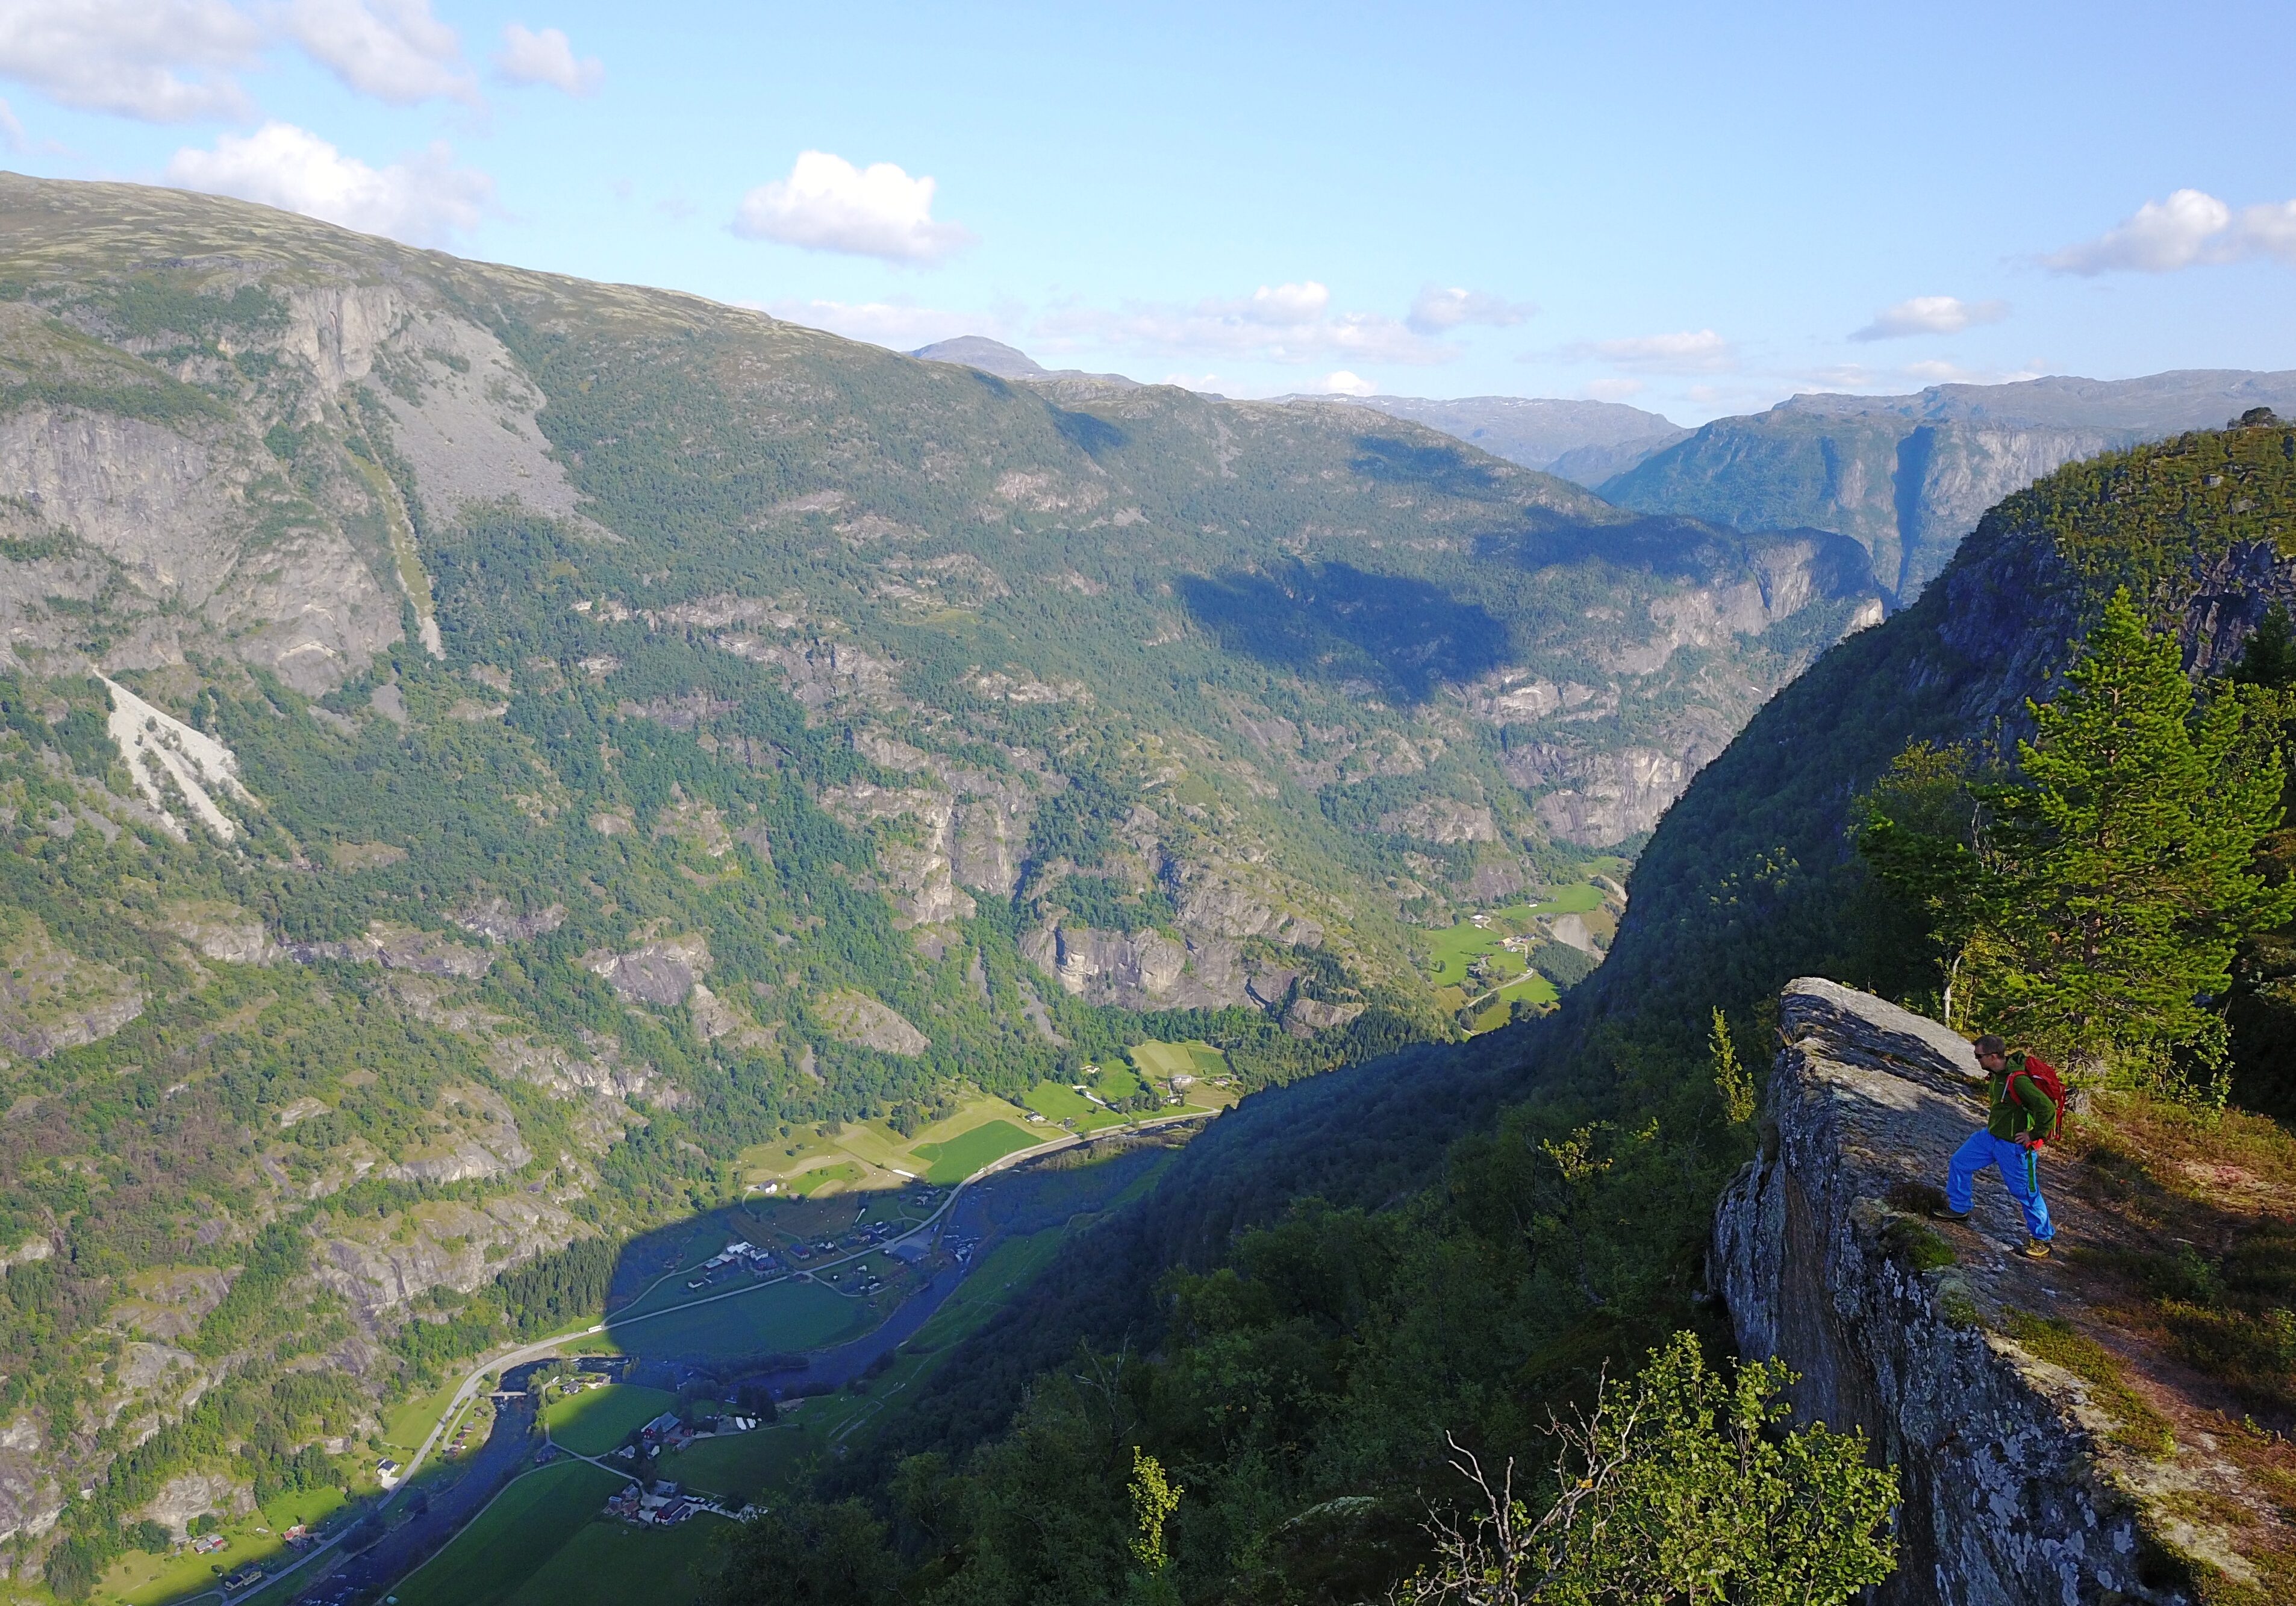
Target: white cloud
[
  {"x": 1690, "y": 351},
  {"x": 1340, "y": 382},
  {"x": 1275, "y": 324},
  {"x": 2267, "y": 229},
  {"x": 1286, "y": 307},
  {"x": 423, "y": 199},
  {"x": 1930, "y": 315},
  {"x": 11, "y": 130},
  {"x": 547, "y": 57},
  {"x": 131, "y": 56},
  {"x": 394, "y": 50},
  {"x": 2190, "y": 228},
  {"x": 899, "y": 325},
  {"x": 1438, "y": 309},
  {"x": 1614, "y": 389},
  {"x": 828, "y": 204}
]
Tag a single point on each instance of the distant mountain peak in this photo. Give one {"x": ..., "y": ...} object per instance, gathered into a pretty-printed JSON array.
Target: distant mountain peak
[
  {"x": 978, "y": 351},
  {"x": 1007, "y": 362}
]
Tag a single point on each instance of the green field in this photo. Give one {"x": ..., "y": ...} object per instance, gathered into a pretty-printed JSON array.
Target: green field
[
  {"x": 1194, "y": 1057},
  {"x": 776, "y": 1316},
  {"x": 863, "y": 1156},
  {"x": 1118, "y": 1082},
  {"x": 1058, "y": 1102},
  {"x": 596, "y": 1420},
  {"x": 513, "y": 1538},
  {"x": 610, "y": 1563},
  {"x": 741, "y": 1466},
  {"x": 808, "y": 1183},
  {"x": 405, "y": 1424},
  {"x": 961, "y": 1157}
]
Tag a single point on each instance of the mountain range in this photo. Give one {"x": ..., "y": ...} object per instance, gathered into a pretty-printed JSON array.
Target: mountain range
[
  {"x": 1905, "y": 476},
  {"x": 481, "y": 750}
]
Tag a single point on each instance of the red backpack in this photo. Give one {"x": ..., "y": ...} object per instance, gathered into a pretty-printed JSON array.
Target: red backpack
[{"x": 2049, "y": 1080}]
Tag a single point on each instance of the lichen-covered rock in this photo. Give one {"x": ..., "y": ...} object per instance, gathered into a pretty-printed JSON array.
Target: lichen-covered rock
[
  {"x": 863, "y": 1021},
  {"x": 2009, "y": 1492},
  {"x": 398, "y": 947},
  {"x": 661, "y": 973},
  {"x": 51, "y": 999}
]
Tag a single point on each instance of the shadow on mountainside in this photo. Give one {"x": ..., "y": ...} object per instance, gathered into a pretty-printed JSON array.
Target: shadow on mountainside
[{"x": 1400, "y": 638}]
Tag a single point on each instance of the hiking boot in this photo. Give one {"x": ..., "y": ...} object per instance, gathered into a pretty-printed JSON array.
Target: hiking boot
[
  {"x": 2035, "y": 1249},
  {"x": 1941, "y": 1213}
]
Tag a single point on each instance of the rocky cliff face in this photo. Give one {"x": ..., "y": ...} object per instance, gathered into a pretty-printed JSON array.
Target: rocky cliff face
[{"x": 2015, "y": 1488}]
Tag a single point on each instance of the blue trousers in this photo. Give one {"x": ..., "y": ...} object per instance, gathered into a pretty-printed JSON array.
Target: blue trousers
[{"x": 2020, "y": 1174}]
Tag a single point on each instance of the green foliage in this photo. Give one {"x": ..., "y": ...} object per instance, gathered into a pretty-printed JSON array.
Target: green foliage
[
  {"x": 2099, "y": 899},
  {"x": 1685, "y": 1492},
  {"x": 2095, "y": 904},
  {"x": 2126, "y": 860},
  {"x": 1155, "y": 1498},
  {"x": 1919, "y": 827},
  {"x": 1733, "y": 1083},
  {"x": 278, "y": 1252},
  {"x": 810, "y": 1553}
]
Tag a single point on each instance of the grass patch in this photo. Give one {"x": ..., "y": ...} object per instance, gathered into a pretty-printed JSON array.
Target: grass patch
[
  {"x": 405, "y": 1424},
  {"x": 770, "y": 1319},
  {"x": 513, "y": 1538},
  {"x": 596, "y": 1420},
  {"x": 611, "y": 1563},
  {"x": 1916, "y": 1246},
  {"x": 1057, "y": 1102},
  {"x": 2142, "y": 1427},
  {"x": 742, "y": 1466},
  {"x": 1194, "y": 1057},
  {"x": 824, "y": 1178},
  {"x": 960, "y": 1158}
]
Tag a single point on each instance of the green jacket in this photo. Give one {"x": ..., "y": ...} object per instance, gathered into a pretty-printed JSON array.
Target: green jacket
[{"x": 2026, "y": 1110}]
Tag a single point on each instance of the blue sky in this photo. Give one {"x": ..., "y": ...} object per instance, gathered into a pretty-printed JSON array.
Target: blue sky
[{"x": 1696, "y": 209}]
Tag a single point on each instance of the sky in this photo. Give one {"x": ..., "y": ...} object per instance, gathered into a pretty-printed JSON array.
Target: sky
[{"x": 1699, "y": 210}]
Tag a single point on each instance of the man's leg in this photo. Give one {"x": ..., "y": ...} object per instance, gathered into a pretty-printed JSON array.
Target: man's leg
[
  {"x": 1960, "y": 1173},
  {"x": 2020, "y": 1170}
]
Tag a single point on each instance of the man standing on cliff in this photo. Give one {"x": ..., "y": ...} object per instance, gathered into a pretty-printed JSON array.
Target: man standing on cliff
[{"x": 2024, "y": 1093}]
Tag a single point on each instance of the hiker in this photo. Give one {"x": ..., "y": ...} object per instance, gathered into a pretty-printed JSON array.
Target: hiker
[{"x": 2026, "y": 1094}]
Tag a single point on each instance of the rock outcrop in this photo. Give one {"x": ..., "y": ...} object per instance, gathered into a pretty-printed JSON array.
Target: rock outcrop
[{"x": 2012, "y": 1491}]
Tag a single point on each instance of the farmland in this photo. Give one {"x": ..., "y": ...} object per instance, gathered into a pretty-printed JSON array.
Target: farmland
[
  {"x": 772, "y": 1318},
  {"x": 608, "y": 1563},
  {"x": 513, "y": 1538},
  {"x": 1473, "y": 960},
  {"x": 960, "y": 1157},
  {"x": 596, "y": 1420}
]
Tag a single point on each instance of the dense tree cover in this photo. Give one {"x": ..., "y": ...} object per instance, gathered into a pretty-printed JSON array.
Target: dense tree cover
[{"x": 2092, "y": 905}]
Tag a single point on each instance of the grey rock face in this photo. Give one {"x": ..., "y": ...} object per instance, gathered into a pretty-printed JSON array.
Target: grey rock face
[
  {"x": 398, "y": 949},
  {"x": 2009, "y": 1494},
  {"x": 868, "y": 1023},
  {"x": 659, "y": 973}
]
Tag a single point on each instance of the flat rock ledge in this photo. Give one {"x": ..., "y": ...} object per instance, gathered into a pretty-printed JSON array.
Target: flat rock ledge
[{"x": 2011, "y": 1493}]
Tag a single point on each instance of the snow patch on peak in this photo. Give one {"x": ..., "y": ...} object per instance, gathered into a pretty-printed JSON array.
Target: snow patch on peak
[{"x": 157, "y": 745}]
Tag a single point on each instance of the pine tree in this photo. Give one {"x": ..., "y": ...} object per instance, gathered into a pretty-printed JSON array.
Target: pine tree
[{"x": 2121, "y": 871}]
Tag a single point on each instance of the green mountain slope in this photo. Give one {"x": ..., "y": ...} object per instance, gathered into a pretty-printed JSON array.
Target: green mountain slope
[{"x": 482, "y": 751}]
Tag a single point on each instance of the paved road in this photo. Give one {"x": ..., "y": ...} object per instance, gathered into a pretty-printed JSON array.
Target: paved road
[{"x": 390, "y": 1559}]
